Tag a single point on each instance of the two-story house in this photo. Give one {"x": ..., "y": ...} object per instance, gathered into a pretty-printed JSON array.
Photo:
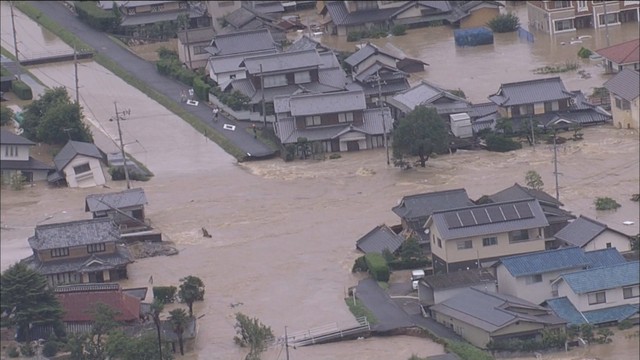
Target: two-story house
[
  {"x": 137, "y": 15},
  {"x": 625, "y": 55},
  {"x": 126, "y": 208},
  {"x": 555, "y": 17},
  {"x": 79, "y": 164},
  {"x": 598, "y": 296},
  {"x": 192, "y": 46},
  {"x": 477, "y": 236},
  {"x": 529, "y": 276},
  {"x": 79, "y": 252},
  {"x": 434, "y": 289},
  {"x": 339, "y": 121},
  {"x": 590, "y": 234},
  {"x": 624, "y": 90},
  {"x": 15, "y": 159},
  {"x": 429, "y": 95},
  {"x": 547, "y": 103},
  {"x": 219, "y": 9}
]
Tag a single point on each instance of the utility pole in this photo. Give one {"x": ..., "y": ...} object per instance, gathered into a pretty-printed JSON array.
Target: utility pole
[
  {"x": 606, "y": 22},
  {"x": 555, "y": 163},
  {"x": 124, "y": 157},
  {"x": 264, "y": 111},
  {"x": 186, "y": 33},
  {"x": 533, "y": 135},
  {"x": 15, "y": 40},
  {"x": 384, "y": 126},
  {"x": 75, "y": 65},
  {"x": 286, "y": 342}
]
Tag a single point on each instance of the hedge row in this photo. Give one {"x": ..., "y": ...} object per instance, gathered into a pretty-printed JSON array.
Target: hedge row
[
  {"x": 166, "y": 294},
  {"x": 399, "y": 264},
  {"x": 377, "y": 266},
  {"x": 95, "y": 17},
  {"x": 22, "y": 90}
]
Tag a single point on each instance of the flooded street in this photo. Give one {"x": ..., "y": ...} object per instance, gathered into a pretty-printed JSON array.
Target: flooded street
[{"x": 283, "y": 234}]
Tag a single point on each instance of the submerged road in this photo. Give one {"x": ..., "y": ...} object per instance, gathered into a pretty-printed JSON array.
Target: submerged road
[{"x": 146, "y": 72}]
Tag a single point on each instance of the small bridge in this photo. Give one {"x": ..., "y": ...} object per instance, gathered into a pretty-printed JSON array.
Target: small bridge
[
  {"x": 327, "y": 333},
  {"x": 53, "y": 57}
]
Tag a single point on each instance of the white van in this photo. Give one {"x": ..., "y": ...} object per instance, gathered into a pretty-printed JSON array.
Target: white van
[{"x": 416, "y": 275}]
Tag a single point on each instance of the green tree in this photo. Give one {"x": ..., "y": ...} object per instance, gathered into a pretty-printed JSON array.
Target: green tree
[
  {"x": 26, "y": 299},
  {"x": 6, "y": 115},
  {"x": 179, "y": 321},
  {"x": 504, "y": 23},
  {"x": 95, "y": 344},
  {"x": 410, "y": 249},
  {"x": 504, "y": 126},
  {"x": 191, "y": 290},
  {"x": 156, "y": 309},
  {"x": 534, "y": 180},
  {"x": 253, "y": 334},
  {"x": 421, "y": 133},
  {"x": 123, "y": 347}
]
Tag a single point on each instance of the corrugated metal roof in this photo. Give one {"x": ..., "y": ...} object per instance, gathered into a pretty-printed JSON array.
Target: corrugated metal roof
[
  {"x": 608, "y": 277},
  {"x": 79, "y": 306},
  {"x": 283, "y": 61},
  {"x": 378, "y": 239},
  {"x": 545, "y": 261},
  {"x": 117, "y": 200},
  {"x": 625, "y": 84},
  {"x": 531, "y": 91},
  {"x": 74, "y": 233},
  {"x": 580, "y": 231},
  {"x": 243, "y": 42},
  {"x": 72, "y": 149},
  {"x": 316, "y": 104}
]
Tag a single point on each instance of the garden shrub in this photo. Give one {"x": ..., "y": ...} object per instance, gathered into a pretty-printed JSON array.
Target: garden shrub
[
  {"x": 117, "y": 173},
  {"x": 97, "y": 18},
  {"x": 377, "y": 266},
  {"x": 625, "y": 324},
  {"x": 504, "y": 23},
  {"x": 359, "y": 265},
  {"x": 501, "y": 143},
  {"x": 584, "y": 53},
  {"x": 400, "y": 264},
  {"x": 201, "y": 89},
  {"x": 467, "y": 351},
  {"x": 166, "y": 294},
  {"x": 398, "y": 30},
  {"x": 606, "y": 203},
  {"x": 13, "y": 352},
  {"x": 50, "y": 349},
  {"x": 22, "y": 90}
]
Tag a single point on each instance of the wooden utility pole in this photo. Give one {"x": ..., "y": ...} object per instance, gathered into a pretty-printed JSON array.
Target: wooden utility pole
[
  {"x": 75, "y": 65},
  {"x": 555, "y": 163},
  {"x": 286, "y": 342},
  {"x": 15, "y": 40},
  {"x": 384, "y": 126},
  {"x": 124, "y": 156},
  {"x": 264, "y": 111}
]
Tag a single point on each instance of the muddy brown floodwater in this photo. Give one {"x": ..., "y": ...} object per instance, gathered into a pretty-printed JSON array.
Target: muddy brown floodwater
[{"x": 283, "y": 234}]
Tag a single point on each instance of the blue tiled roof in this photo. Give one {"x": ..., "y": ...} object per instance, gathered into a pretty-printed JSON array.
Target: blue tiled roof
[
  {"x": 604, "y": 257},
  {"x": 616, "y": 313},
  {"x": 545, "y": 261},
  {"x": 601, "y": 278},
  {"x": 565, "y": 309}
]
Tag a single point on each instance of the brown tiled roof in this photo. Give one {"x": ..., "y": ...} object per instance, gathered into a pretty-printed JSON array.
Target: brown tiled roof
[
  {"x": 78, "y": 306},
  {"x": 624, "y": 53}
]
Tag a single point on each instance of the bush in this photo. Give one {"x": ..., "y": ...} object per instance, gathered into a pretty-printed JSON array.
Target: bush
[
  {"x": 377, "y": 266},
  {"x": 584, "y": 53},
  {"x": 95, "y": 17},
  {"x": 6, "y": 115},
  {"x": 606, "y": 203},
  {"x": 22, "y": 90},
  {"x": 398, "y": 30},
  {"x": 359, "y": 265},
  {"x": 399, "y": 264},
  {"x": 335, "y": 156},
  {"x": 117, "y": 174},
  {"x": 165, "y": 53},
  {"x": 467, "y": 351},
  {"x": 50, "y": 349},
  {"x": 501, "y": 143},
  {"x": 504, "y": 23},
  {"x": 201, "y": 89},
  {"x": 27, "y": 350},
  {"x": 13, "y": 352},
  {"x": 625, "y": 324},
  {"x": 166, "y": 294}
]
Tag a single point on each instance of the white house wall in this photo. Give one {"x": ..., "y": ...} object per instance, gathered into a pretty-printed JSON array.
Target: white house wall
[
  {"x": 23, "y": 152},
  {"x": 84, "y": 180},
  {"x": 614, "y": 297},
  {"x": 534, "y": 292},
  {"x": 618, "y": 241}
]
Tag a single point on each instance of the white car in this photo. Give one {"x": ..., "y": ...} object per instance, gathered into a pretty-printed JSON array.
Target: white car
[{"x": 414, "y": 283}]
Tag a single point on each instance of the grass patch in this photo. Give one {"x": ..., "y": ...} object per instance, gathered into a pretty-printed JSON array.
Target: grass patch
[
  {"x": 384, "y": 285},
  {"x": 112, "y": 66},
  {"x": 358, "y": 310}
]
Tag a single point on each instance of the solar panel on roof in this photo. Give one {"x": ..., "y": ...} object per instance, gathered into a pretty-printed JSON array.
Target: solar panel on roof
[
  {"x": 509, "y": 212},
  {"x": 495, "y": 215},
  {"x": 452, "y": 220},
  {"x": 466, "y": 217},
  {"x": 524, "y": 210},
  {"x": 481, "y": 216}
]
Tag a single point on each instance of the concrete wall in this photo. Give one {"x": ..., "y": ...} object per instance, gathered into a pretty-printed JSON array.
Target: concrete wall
[
  {"x": 618, "y": 241},
  {"x": 93, "y": 178},
  {"x": 623, "y": 119}
]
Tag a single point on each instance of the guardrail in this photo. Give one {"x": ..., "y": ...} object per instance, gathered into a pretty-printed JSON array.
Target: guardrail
[{"x": 326, "y": 333}]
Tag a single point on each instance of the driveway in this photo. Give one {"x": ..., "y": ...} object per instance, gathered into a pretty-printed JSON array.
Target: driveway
[{"x": 146, "y": 72}]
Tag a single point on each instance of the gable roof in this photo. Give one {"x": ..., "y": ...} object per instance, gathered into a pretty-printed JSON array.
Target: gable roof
[
  {"x": 334, "y": 102},
  {"x": 242, "y": 42},
  {"x": 487, "y": 219},
  {"x": 426, "y": 93},
  {"x": 283, "y": 61},
  {"x": 423, "y": 205},
  {"x": 73, "y": 149},
  {"x": 581, "y": 231},
  {"x": 458, "y": 279},
  {"x": 530, "y": 91},
  {"x": 378, "y": 239},
  {"x": 196, "y": 35},
  {"x": 117, "y": 200},
  {"x": 365, "y": 52},
  {"x": 492, "y": 311},
  {"x": 519, "y": 192},
  {"x": 339, "y": 14},
  {"x": 627, "y": 52},
  {"x": 78, "y": 305},
  {"x": 307, "y": 43},
  {"x": 604, "y": 257},
  {"x": 545, "y": 261},
  {"x": 625, "y": 84},
  {"x": 602, "y": 278},
  {"x": 74, "y": 233},
  {"x": 9, "y": 138}
]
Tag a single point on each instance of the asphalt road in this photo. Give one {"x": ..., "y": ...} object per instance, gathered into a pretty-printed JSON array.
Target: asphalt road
[{"x": 146, "y": 72}]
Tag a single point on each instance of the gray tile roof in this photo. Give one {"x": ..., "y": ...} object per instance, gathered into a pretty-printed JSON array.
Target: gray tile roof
[
  {"x": 625, "y": 84},
  {"x": 228, "y": 63},
  {"x": 74, "y": 233},
  {"x": 240, "y": 17},
  {"x": 307, "y": 43},
  {"x": 336, "y": 102},
  {"x": 9, "y": 138},
  {"x": 117, "y": 200},
  {"x": 545, "y": 261},
  {"x": 340, "y": 16},
  {"x": 423, "y": 205},
  {"x": 426, "y": 93},
  {"x": 365, "y": 52},
  {"x": 491, "y": 311},
  {"x": 149, "y": 18},
  {"x": 333, "y": 77},
  {"x": 329, "y": 60},
  {"x": 268, "y": 6},
  {"x": 31, "y": 164},
  {"x": 242, "y": 42},
  {"x": 489, "y": 219},
  {"x": 602, "y": 278},
  {"x": 197, "y": 35},
  {"x": 581, "y": 231},
  {"x": 530, "y": 91},
  {"x": 563, "y": 307},
  {"x": 103, "y": 261},
  {"x": 378, "y": 239},
  {"x": 73, "y": 149},
  {"x": 459, "y": 279},
  {"x": 286, "y": 61},
  {"x": 518, "y": 192},
  {"x": 604, "y": 257},
  {"x": 385, "y": 72}
]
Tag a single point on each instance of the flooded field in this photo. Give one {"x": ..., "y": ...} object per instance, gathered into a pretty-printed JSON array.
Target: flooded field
[{"x": 283, "y": 234}]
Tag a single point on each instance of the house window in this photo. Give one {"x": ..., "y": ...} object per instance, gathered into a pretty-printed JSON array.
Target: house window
[
  {"x": 275, "y": 80},
  {"x": 232, "y": 76},
  {"x": 515, "y": 110},
  {"x": 597, "y": 298},
  {"x": 490, "y": 241},
  {"x": 131, "y": 11},
  {"x": 156, "y": 8},
  {"x": 80, "y": 169},
  {"x": 11, "y": 151},
  {"x": 533, "y": 279},
  {"x": 582, "y": 5},
  {"x": 626, "y": 105},
  {"x": 94, "y": 248},
  {"x": 313, "y": 120},
  {"x": 464, "y": 244},
  {"x": 302, "y": 77},
  {"x": 185, "y": 5},
  {"x": 377, "y": 141},
  {"x": 518, "y": 235},
  {"x": 439, "y": 243},
  {"x": 630, "y": 292},
  {"x": 611, "y": 18},
  {"x": 199, "y": 50},
  {"x": 526, "y": 109},
  {"x": 550, "y": 106},
  {"x": 561, "y": 4},
  {"x": 60, "y": 252},
  {"x": 564, "y": 25},
  {"x": 608, "y": 245},
  {"x": 345, "y": 117}
]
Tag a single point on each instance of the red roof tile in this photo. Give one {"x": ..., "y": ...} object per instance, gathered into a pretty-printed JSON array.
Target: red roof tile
[
  {"x": 78, "y": 306},
  {"x": 624, "y": 53}
]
